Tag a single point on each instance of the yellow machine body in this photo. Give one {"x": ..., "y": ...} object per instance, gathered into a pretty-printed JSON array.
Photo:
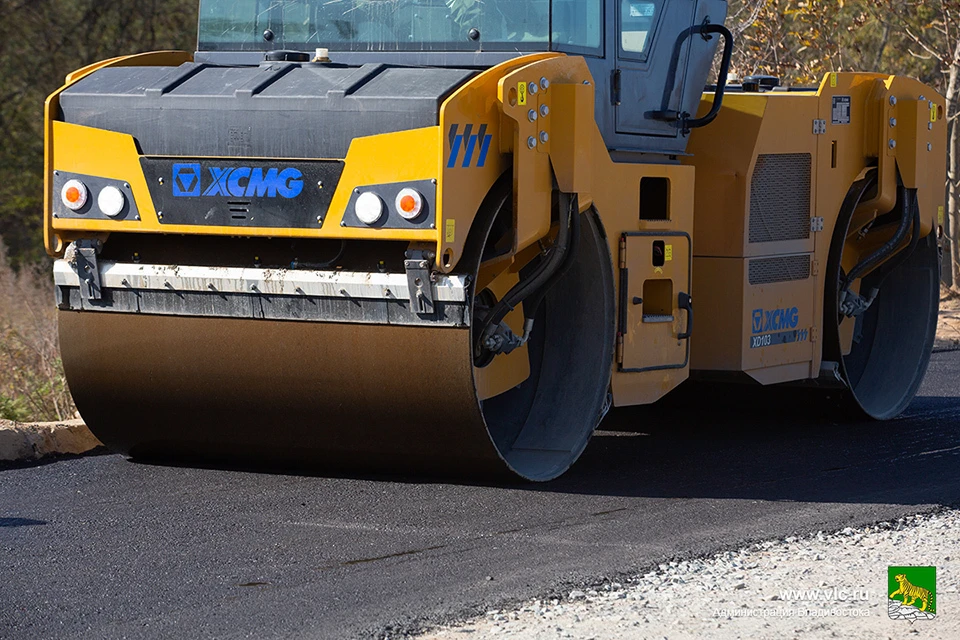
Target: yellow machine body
[
  {"x": 893, "y": 124},
  {"x": 741, "y": 230}
]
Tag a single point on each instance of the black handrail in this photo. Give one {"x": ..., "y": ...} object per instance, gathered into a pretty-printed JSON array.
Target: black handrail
[{"x": 685, "y": 123}]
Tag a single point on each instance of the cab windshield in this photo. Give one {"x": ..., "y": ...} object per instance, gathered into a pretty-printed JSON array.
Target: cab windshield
[{"x": 401, "y": 25}]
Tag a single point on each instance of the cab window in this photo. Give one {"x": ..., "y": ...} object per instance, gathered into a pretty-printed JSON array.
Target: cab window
[
  {"x": 638, "y": 20},
  {"x": 578, "y": 25}
]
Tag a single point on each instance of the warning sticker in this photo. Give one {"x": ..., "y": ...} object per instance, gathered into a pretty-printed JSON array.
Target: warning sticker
[
  {"x": 668, "y": 253},
  {"x": 841, "y": 110},
  {"x": 451, "y": 231},
  {"x": 521, "y": 93}
]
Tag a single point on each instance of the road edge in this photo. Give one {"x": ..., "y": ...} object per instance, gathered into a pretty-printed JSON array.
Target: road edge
[{"x": 21, "y": 441}]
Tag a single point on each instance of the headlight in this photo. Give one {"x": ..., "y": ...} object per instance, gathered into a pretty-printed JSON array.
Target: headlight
[
  {"x": 111, "y": 201},
  {"x": 369, "y": 208}
]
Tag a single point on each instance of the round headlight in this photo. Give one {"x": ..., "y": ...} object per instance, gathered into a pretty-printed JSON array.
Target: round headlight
[
  {"x": 74, "y": 195},
  {"x": 369, "y": 207},
  {"x": 409, "y": 204},
  {"x": 111, "y": 201}
]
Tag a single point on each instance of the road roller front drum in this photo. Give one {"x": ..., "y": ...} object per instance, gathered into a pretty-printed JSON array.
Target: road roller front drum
[{"x": 162, "y": 382}]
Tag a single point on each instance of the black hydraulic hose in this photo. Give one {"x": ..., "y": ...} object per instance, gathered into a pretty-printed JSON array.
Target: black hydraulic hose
[
  {"x": 856, "y": 193},
  {"x": 541, "y": 276},
  {"x": 532, "y": 303},
  {"x": 564, "y": 256},
  {"x": 889, "y": 247},
  {"x": 891, "y": 265}
]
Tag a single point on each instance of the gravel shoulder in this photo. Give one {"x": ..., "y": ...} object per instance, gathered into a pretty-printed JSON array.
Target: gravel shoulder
[{"x": 828, "y": 585}]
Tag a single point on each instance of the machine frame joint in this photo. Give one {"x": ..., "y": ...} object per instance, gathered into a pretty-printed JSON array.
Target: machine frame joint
[
  {"x": 420, "y": 280},
  {"x": 82, "y": 256}
]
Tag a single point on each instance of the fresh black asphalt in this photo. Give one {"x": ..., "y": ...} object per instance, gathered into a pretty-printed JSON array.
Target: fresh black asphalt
[{"x": 99, "y": 547}]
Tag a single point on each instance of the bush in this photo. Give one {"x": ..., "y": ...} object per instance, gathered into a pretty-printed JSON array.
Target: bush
[{"x": 32, "y": 384}]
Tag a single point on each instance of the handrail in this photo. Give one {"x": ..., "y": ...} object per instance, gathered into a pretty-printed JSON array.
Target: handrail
[{"x": 683, "y": 120}]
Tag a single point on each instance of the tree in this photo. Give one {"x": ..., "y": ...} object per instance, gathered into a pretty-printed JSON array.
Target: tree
[
  {"x": 930, "y": 32},
  {"x": 40, "y": 42}
]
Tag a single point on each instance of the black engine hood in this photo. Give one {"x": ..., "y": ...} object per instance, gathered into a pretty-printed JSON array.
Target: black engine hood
[{"x": 276, "y": 109}]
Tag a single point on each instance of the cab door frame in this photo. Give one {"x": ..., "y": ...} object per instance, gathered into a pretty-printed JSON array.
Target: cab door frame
[{"x": 640, "y": 79}]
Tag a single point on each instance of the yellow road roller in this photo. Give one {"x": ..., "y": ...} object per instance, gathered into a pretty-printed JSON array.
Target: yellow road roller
[{"x": 445, "y": 236}]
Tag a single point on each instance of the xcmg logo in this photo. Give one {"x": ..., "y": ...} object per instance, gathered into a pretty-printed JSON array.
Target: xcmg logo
[
  {"x": 775, "y": 320},
  {"x": 471, "y": 143},
  {"x": 236, "y": 182}
]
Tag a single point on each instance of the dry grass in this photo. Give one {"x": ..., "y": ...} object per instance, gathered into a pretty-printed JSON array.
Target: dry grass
[{"x": 32, "y": 385}]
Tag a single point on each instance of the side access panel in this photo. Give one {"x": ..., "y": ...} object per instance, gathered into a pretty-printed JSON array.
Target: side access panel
[
  {"x": 757, "y": 268},
  {"x": 780, "y": 324},
  {"x": 655, "y": 306},
  {"x": 650, "y": 207}
]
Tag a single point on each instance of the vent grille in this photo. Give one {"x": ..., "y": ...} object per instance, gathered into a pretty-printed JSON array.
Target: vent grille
[
  {"x": 779, "y": 269},
  {"x": 238, "y": 209},
  {"x": 780, "y": 198}
]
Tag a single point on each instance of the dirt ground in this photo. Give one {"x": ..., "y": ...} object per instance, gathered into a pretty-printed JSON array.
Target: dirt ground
[
  {"x": 30, "y": 441},
  {"x": 948, "y": 330}
]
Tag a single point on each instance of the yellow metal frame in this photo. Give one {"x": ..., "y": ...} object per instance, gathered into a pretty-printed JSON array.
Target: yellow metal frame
[
  {"x": 549, "y": 140},
  {"x": 56, "y": 242},
  {"x": 568, "y": 153},
  {"x": 883, "y": 109},
  {"x": 117, "y": 158}
]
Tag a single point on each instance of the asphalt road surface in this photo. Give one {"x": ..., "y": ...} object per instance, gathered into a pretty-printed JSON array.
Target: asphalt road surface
[{"x": 99, "y": 547}]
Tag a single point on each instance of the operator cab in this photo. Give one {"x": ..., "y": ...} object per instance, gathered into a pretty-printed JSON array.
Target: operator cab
[{"x": 650, "y": 58}]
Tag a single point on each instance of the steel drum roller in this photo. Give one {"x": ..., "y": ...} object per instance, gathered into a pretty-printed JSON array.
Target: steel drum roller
[{"x": 347, "y": 397}]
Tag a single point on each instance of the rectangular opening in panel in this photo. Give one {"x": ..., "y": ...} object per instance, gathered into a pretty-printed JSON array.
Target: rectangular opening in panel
[
  {"x": 658, "y": 301},
  {"x": 654, "y": 198}
]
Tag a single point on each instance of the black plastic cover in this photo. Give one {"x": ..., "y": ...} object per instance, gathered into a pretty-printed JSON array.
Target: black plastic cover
[{"x": 273, "y": 110}]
